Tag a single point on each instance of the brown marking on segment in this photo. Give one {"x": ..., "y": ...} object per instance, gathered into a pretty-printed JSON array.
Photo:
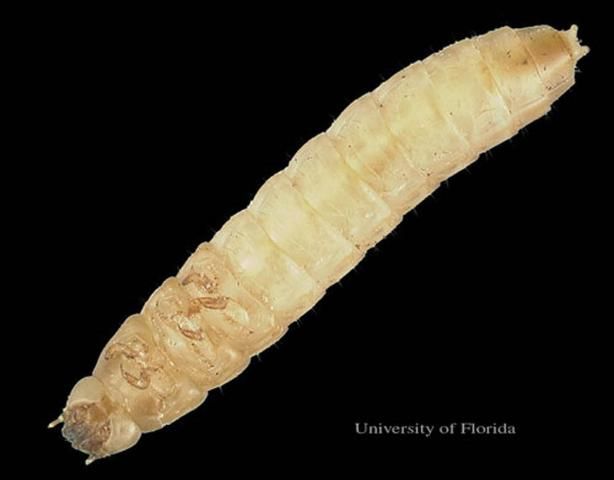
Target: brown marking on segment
[
  {"x": 214, "y": 303},
  {"x": 140, "y": 380},
  {"x": 134, "y": 348},
  {"x": 201, "y": 280},
  {"x": 189, "y": 329},
  {"x": 133, "y": 367}
]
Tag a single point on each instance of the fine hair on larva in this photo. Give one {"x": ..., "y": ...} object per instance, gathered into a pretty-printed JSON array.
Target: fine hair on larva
[{"x": 310, "y": 224}]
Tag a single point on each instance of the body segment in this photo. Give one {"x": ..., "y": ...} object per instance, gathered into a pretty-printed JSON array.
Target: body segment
[{"x": 310, "y": 224}]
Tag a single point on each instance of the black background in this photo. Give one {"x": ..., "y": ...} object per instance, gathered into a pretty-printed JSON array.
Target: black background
[{"x": 150, "y": 128}]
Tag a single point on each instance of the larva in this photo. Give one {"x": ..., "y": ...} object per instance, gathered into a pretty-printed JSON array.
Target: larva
[{"x": 310, "y": 224}]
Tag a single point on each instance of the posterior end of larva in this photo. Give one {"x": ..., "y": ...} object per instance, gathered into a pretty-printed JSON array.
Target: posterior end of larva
[
  {"x": 94, "y": 424},
  {"x": 573, "y": 43}
]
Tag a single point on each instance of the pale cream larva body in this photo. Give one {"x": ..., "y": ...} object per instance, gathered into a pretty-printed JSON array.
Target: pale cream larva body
[{"x": 310, "y": 224}]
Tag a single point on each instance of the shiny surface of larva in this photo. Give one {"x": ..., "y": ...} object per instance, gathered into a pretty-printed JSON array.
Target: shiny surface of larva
[{"x": 310, "y": 224}]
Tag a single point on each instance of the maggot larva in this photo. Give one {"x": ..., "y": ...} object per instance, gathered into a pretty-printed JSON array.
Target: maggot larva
[{"x": 343, "y": 191}]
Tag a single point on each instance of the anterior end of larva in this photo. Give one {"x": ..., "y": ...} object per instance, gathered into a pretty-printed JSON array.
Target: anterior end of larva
[
  {"x": 574, "y": 44},
  {"x": 310, "y": 224}
]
